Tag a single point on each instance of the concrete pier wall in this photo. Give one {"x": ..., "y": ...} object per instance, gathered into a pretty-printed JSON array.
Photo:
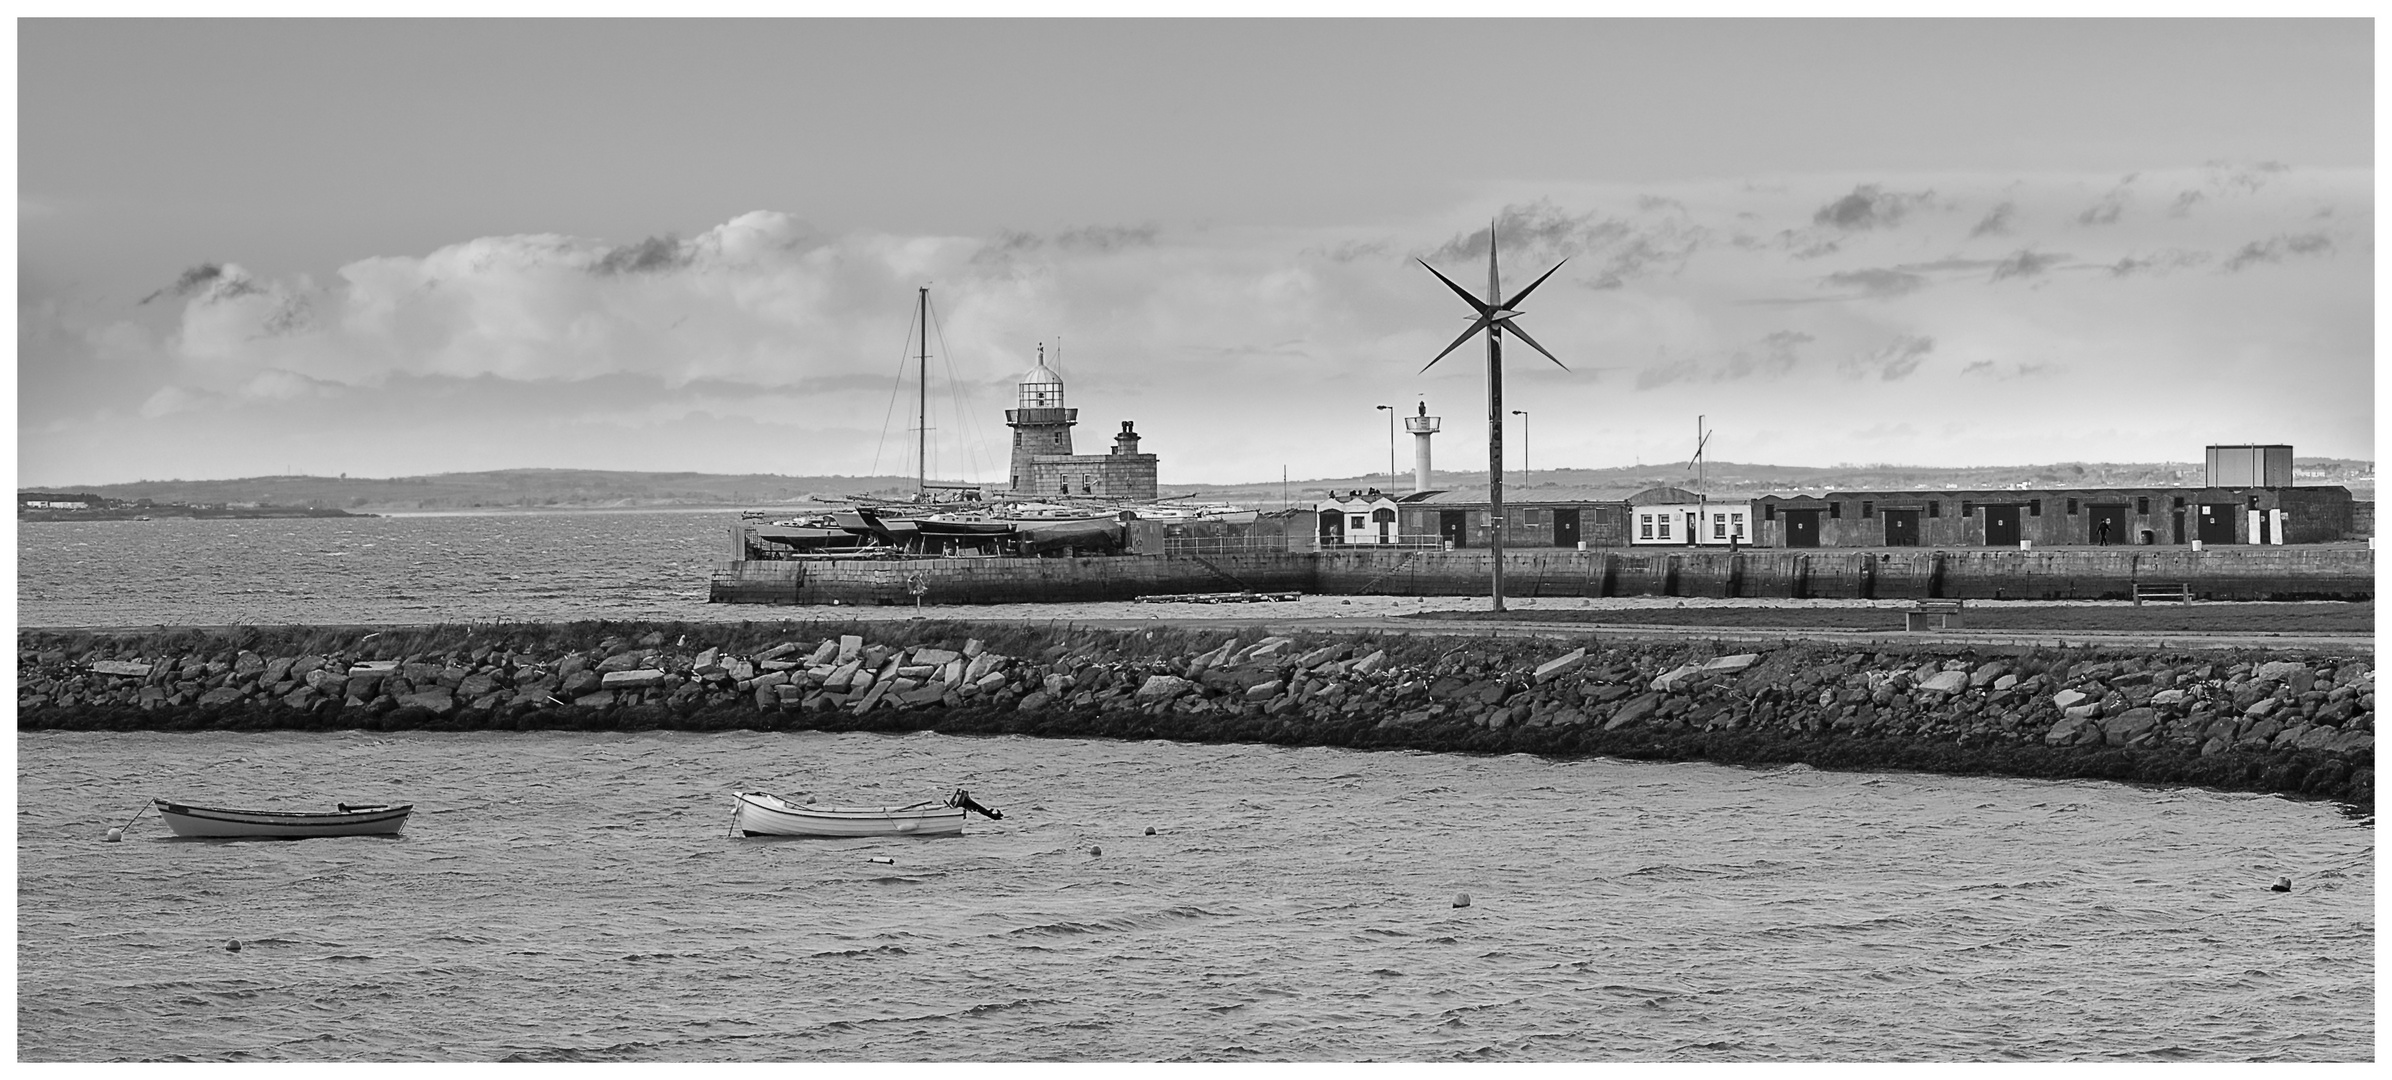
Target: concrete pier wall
[{"x": 2237, "y": 573}]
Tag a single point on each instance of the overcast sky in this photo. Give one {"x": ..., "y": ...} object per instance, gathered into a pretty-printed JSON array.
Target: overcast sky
[{"x": 395, "y": 248}]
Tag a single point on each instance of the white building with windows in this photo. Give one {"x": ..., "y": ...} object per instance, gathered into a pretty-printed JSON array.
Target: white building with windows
[
  {"x": 1365, "y": 517},
  {"x": 1697, "y": 524}
]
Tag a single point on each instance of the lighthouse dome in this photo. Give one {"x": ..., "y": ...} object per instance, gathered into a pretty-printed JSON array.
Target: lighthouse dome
[{"x": 1041, "y": 388}]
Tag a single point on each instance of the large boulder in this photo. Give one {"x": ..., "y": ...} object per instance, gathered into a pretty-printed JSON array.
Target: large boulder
[
  {"x": 1635, "y": 711},
  {"x": 438, "y": 701},
  {"x": 633, "y": 679},
  {"x": 1674, "y": 677},
  {"x": 2128, "y": 726},
  {"x": 1162, "y": 688},
  {"x": 1730, "y": 664},
  {"x": 2068, "y": 699},
  {"x": 1987, "y": 672},
  {"x": 1945, "y": 682}
]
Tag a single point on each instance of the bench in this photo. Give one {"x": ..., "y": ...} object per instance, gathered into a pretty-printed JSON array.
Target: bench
[
  {"x": 2152, "y": 590},
  {"x": 1946, "y": 614}
]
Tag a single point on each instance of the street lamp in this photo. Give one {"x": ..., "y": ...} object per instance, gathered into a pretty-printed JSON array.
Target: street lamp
[
  {"x": 1523, "y": 415},
  {"x": 1390, "y": 411}
]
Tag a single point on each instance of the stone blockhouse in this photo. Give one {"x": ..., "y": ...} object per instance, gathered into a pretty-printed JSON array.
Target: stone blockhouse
[{"x": 1043, "y": 462}]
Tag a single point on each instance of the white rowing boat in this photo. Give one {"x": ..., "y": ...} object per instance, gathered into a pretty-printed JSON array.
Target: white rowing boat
[
  {"x": 368, "y": 820},
  {"x": 757, "y": 813}
]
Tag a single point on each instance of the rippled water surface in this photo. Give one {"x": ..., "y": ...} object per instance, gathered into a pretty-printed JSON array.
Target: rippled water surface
[{"x": 567, "y": 896}]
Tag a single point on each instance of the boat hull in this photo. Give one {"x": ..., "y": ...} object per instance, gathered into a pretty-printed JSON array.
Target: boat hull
[
  {"x": 218, "y": 823},
  {"x": 759, "y": 814}
]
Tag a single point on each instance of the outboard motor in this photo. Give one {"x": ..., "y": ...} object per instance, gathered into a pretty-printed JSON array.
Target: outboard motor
[{"x": 963, "y": 799}]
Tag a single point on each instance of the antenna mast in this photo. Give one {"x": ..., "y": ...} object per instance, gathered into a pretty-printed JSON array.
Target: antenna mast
[{"x": 922, "y": 407}]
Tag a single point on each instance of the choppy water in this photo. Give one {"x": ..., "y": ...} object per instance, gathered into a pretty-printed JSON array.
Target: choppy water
[
  {"x": 410, "y": 569},
  {"x": 574, "y": 897}
]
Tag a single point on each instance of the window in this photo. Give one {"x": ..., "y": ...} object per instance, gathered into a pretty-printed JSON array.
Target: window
[
  {"x": 2034, "y": 508},
  {"x": 1835, "y": 509},
  {"x": 1868, "y": 509},
  {"x": 1967, "y": 508},
  {"x": 1935, "y": 508},
  {"x": 1354, "y": 521},
  {"x": 1665, "y": 528},
  {"x": 1719, "y": 526},
  {"x": 1738, "y": 524},
  {"x": 2180, "y": 502},
  {"x": 2254, "y": 502},
  {"x": 1644, "y": 527},
  {"x": 2142, "y": 504},
  {"x": 1769, "y": 511},
  {"x": 2072, "y": 506}
]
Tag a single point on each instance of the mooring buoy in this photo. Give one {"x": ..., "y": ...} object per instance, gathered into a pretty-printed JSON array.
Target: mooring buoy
[
  {"x": 115, "y": 835},
  {"x": 1461, "y": 899},
  {"x": 2283, "y": 884},
  {"x": 1094, "y": 850},
  {"x": 884, "y": 859},
  {"x": 1150, "y": 830},
  {"x": 233, "y": 946}
]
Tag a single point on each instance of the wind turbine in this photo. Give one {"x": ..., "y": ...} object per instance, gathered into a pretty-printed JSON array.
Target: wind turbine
[{"x": 1495, "y": 315}]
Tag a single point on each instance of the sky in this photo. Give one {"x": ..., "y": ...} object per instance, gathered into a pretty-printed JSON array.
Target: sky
[{"x": 389, "y": 248}]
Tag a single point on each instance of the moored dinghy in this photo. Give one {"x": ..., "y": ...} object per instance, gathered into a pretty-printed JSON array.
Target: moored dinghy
[
  {"x": 373, "y": 819},
  {"x": 757, "y": 813}
]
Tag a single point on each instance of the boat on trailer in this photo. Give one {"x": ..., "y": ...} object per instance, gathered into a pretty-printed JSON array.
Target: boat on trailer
[
  {"x": 367, "y": 819},
  {"x": 757, "y": 813}
]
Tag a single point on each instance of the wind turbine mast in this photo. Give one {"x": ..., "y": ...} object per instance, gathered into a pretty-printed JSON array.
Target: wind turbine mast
[{"x": 1495, "y": 315}]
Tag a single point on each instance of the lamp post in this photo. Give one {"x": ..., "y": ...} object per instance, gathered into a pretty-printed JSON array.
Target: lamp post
[
  {"x": 1390, "y": 411},
  {"x": 1523, "y": 415}
]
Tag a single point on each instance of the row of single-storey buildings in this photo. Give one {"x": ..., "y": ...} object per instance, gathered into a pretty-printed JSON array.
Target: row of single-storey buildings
[{"x": 1668, "y": 516}]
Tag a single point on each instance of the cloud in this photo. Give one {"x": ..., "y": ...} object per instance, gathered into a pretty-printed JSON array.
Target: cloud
[
  {"x": 1657, "y": 240},
  {"x": 2024, "y": 264},
  {"x": 1868, "y": 207},
  {"x": 1996, "y": 221},
  {"x": 1877, "y": 282},
  {"x": 1893, "y": 362},
  {"x": 2276, "y": 248},
  {"x": 2112, "y": 204},
  {"x": 654, "y": 255},
  {"x": 2185, "y": 201},
  {"x": 209, "y": 281},
  {"x": 1775, "y": 356},
  {"x": 2157, "y": 262},
  {"x": 2005, "y": 372}
]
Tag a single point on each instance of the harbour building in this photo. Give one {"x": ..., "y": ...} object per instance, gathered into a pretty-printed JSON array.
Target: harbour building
[{"x": 1044, "y": 466}]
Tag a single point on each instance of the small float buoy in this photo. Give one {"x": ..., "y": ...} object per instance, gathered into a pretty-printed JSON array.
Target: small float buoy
[
  {"x": 1150, "y": 830},
  {"x": 884, "y": 859},
  {"x": 233, "y": 946},
  {"x": 1461, "y": 899},
  {"x": 1094, "y": 850},
  {"x": 115, "y": 835},
  {"x": 2283, "y": 884}
]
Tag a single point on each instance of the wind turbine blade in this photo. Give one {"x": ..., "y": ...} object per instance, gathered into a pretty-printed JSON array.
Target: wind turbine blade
[
  {"x": 1532, "y": 342},
  {"x": 1457, "y": 290},
  {"x": 1494, "y": 290},
  {"x": 1457, "y": 343},
  {"x": 1532, "y": 287}
]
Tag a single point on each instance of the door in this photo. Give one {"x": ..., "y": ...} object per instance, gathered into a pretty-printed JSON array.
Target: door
[
  {"x": 1385, "y": 520},
  {"x": 2179, "y": 530},
  {"x": 2216, "y": 525},
  {"x": 1332, "y": 527},
  {"x": 1454, "y": 526},
  {"x": 1802, "y": 528},
  {"x": 2001, "y": 526},
  {"x": 2106, "y": 525},
  {"x": 1565, "y": 528},
  {"x": 1901, "y": 528}
]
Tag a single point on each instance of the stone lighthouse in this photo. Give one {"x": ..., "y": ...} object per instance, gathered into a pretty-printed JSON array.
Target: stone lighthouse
[
  {"x": 1421, "y": 427},
  {"x": 1040, "y": 423},
  {"x": 1044, "y": 466}
]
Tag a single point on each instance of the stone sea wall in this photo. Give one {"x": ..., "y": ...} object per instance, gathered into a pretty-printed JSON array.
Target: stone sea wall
[
  {"x": 2296, "y": 724},
  {"x": 2304, "y": 572}
]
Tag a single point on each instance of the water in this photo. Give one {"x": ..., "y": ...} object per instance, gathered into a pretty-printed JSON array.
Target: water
[
  {"x": 408, "y": 569},
  {"x": 565, "y": 896},
  {"x": 574, "y": 897}
]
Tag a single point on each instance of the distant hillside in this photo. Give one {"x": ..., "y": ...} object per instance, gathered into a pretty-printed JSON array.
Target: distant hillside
[{"x": 534, "y": 489}]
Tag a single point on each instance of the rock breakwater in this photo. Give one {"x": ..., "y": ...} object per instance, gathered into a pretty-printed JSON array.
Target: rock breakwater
[{"x": 2274, "y": 722}]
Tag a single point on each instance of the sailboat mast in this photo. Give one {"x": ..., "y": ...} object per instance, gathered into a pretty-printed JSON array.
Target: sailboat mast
[{"x": 922, "y": 406}]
